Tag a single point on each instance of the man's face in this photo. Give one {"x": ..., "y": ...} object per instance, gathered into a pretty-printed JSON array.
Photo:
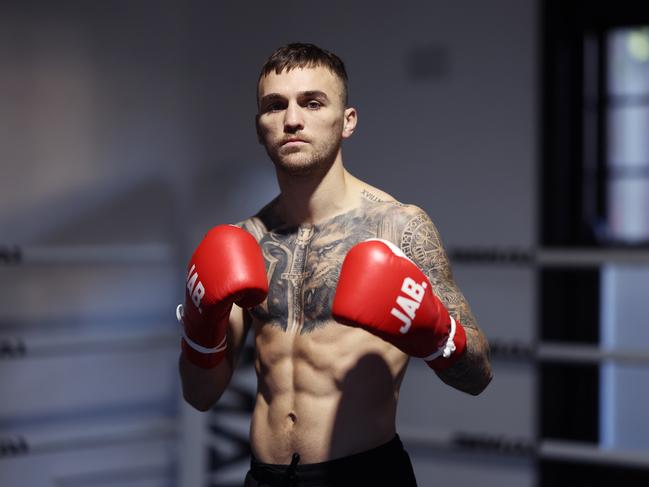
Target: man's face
[{"x": 302, "y": 118}]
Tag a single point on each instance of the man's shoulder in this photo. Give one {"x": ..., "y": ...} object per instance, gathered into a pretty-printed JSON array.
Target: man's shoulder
[
  {"x": 261, "y": 222},
  {"x": 384, "y": 202},
  {"x": 254, "y": 226},
  {"x": 397, "y": 221}
]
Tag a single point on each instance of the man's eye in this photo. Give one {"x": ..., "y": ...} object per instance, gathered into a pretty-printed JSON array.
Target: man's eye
[
  {"x": 273, "y": 107},
  {"x": 313, "y": 104}
]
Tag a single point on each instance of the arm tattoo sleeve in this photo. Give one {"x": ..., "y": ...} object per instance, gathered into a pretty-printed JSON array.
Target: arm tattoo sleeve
[{"x": 421, "y": 242}]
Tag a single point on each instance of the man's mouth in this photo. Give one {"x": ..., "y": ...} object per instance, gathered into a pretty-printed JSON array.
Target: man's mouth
[{"x": 292, "y": 140}]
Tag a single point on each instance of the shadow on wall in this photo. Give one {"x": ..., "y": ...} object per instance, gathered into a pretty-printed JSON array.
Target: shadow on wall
[{"x": 117, "y": 212}]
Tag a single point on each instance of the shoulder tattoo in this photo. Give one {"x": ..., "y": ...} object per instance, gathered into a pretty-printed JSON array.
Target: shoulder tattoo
[{"x": 422, "y": 243}]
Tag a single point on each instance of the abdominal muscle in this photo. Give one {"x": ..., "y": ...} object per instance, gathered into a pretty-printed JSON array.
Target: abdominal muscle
[{"x": 325, "y": 394}]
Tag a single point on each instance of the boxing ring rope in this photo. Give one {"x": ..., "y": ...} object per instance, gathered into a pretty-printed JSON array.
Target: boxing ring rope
[
  {"x": 146, "y": 253},
  {"x": 88, "y": 436},
  {"x": 164, "y": 253},
  {"x": 568, "y": 258},
  {"x": 554, "y": 352},
  {"x": 16, "y": 347},
  {"x": 553, "y": 449},
  {"x": 68, "y": 344}
]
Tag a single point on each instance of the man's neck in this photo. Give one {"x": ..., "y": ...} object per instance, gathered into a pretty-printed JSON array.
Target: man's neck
[{"x": 312, "y": 199}]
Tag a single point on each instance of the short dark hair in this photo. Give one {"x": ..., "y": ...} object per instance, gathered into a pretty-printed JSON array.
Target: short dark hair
[{"x": 301, "y": 55}]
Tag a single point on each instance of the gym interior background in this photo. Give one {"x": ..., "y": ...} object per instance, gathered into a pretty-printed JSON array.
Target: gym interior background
[{"x": 126, "y": 131}]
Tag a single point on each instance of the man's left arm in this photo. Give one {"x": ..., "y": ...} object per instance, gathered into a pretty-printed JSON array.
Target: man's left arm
[{"x": 421, "y": 242}]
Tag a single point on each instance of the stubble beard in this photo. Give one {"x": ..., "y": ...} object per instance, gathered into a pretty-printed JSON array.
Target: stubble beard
[{"x": 300, "y": 163}]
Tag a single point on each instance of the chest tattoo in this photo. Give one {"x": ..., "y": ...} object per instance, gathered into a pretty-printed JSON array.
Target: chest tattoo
[
  {"x": 292, "y": 275},
  {"x": 303, "y": 264}
]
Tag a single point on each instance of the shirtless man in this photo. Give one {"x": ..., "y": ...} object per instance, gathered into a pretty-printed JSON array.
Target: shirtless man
[{"x": 327, "y": 391}]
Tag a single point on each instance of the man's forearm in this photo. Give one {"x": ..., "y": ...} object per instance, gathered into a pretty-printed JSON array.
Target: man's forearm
[
  {"x": 203, "y": 387},
  {"x": 472, "y": 372}
]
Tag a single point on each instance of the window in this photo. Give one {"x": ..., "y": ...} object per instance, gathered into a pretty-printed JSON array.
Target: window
[{"x": 595, "y": 203}]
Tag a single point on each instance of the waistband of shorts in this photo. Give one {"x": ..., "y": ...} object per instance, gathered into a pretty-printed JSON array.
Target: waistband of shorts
[{"x": 385, "y": 450}]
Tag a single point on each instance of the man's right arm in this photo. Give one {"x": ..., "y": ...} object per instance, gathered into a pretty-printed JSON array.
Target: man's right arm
[
  {"x": 226, "y": 274},
  {"x": 201, "y": 387}
]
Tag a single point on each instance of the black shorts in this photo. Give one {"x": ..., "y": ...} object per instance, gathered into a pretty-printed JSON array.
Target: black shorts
[{"x": 388, "y": 464}]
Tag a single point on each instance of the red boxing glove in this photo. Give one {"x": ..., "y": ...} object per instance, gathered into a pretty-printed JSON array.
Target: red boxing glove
[
  {"x": 382, "y": 291},
  {"x": 227, "y": 267}
]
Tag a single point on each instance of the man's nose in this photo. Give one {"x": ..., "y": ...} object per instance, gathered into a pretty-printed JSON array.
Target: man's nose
[{"x": 293, "y": 120}]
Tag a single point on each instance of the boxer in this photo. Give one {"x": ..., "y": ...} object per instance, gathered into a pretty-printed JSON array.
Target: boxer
[{"x": 341, "y": 285}]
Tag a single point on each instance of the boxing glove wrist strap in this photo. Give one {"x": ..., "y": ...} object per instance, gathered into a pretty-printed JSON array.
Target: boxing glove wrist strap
[
  {"x": 449, "y": 346},
  {"x": 199, "y": 348}
]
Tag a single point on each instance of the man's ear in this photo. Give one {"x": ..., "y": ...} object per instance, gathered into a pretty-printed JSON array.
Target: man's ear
[{"x": 350, "y": 121}]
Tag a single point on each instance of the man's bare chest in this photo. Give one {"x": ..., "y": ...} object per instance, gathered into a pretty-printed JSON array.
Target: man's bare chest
[{"x": 303, "y": 265}]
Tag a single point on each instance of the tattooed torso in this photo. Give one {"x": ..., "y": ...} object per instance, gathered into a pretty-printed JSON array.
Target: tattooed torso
[
  {"x": 327, "y": 390},
  {"x": 303, "y": 263}
]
